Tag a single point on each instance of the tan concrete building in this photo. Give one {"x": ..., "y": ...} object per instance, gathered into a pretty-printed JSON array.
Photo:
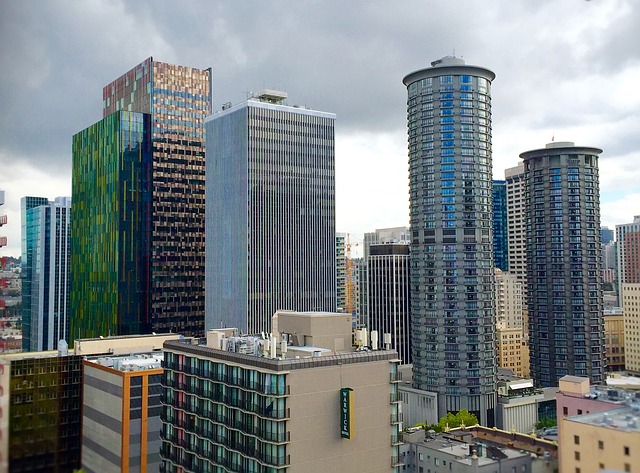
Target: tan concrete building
[
  {"x": 513, "y": 352},
  {"x": 614, "y": 340},
  {"x": 516, "y": 223},
  {"x": 631, "y": 310},
  {"x": 509, "y": 300},
  {"x": 601, "y": 441},
  {"x": 246, "y": 403}
]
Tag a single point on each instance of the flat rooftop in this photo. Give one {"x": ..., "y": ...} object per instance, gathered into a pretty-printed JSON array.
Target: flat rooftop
[
  {"x": 626, "y": 419},
  {"x": 137, "y": 362},
  {"x": 280, "y": 364}
]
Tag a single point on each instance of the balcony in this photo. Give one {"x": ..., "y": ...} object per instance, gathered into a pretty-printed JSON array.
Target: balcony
[{"x": 396, "y": 418}]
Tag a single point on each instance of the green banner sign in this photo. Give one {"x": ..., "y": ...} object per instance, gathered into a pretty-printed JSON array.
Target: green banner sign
[{"x": 346, "y": 412}]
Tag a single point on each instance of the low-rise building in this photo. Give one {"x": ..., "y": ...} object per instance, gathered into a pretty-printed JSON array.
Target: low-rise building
[
  {"x": 513, "y": 350},
  {"x": 40, "y": 409},
  {"x": 608, "y": 440},
  {"x": 598, "y": 425},
  {"x": 517, "y": 408},
  {"x": 614, "y": 339},
  {"x": 460, "y": 451},
  {"x": 267, "y": 404},
  {"x": 121, "y": 413},
  {"x": 41, "y": 402}
]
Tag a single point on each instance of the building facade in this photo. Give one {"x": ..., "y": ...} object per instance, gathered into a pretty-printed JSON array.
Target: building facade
[
  {"x": 178, "y": 98},
  {"x": 341, "y": 272},
  {"x": 236, "y": 409},
  {"x": 517, "y": 229},
  {"x": 270, "y": 212},
  {"x": 380, "y": 235},
  {"x": 27, "y": 261},
  {"x": 598, "y": 429},
  {"x": 175, "y": 101},
  {"x": 389, "y": 295},
  {"x": 111, "y": 228},
  {"x": 628, "y": 254},
  {"x": 614, "y": 339},
  {"x": 631, "y": 317},
  {"x": 452, "y": 290},
  {"x": 509, "y": 300},
  {"x": 513, "y": 351},
  {"x": 48, "y": 245},
  {"x": 500, "y": 225},
  {"x": 121, "y": 413},
  {"x": 460, "y": 452},
  {"x": 566, "y": 328},
  {"x": 41, "y": 405}
]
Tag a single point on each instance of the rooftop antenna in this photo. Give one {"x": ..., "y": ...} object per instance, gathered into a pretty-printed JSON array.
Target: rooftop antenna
[
  {"x": 454, "y": 52},
  {"x": 553, "y": 136}
]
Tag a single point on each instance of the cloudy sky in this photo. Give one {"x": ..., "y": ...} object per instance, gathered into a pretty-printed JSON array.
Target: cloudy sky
[{"x": 568, "y": 69}]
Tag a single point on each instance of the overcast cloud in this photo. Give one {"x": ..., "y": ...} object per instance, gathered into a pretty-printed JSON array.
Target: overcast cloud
[{"x": 567, "y": 69}]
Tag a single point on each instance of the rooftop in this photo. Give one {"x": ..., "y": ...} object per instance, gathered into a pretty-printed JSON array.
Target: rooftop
[
  {"x": 626, "y": 419},
  {"x": 139, "y": 362},
  {"x": 279, "y": 364},
  {"x": 461, "y": 446}
]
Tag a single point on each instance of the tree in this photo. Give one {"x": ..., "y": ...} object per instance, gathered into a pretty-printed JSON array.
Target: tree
[
  {"x": 456, "y": 420},
  {"x": 546, "y": 423}
]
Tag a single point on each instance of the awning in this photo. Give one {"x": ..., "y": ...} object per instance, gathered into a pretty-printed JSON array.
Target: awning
[{"x": 526, "y": 384}]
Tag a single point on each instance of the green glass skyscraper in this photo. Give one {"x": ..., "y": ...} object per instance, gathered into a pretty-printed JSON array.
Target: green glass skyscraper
[{"x": 110, "y": 236}]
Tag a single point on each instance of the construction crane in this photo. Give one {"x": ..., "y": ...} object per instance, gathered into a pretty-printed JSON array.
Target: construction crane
[{"x": 350, "y": 293}]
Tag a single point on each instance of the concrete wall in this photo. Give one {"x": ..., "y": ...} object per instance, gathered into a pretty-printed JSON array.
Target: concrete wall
[
  {"x": 316, "y": 444},
  {"x": 324, "y": 330},
  {"x": 122, "y": 345},
  {"x": 102, "y": 421},
  {"x": 589, "y": 456}
]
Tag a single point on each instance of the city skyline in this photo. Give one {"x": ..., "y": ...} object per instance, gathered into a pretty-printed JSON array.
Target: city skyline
[{"x": 582, "y": 52}]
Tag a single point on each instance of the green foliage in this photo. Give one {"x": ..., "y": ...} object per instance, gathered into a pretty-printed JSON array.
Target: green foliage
[
  {"x": 456, "y": 420},
  {"x": 546, "y": 423},
  {"x": 451, "y": 421}
]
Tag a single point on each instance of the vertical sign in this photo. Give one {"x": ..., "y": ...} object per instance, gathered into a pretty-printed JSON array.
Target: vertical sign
[{"x": 346, "y": 412}]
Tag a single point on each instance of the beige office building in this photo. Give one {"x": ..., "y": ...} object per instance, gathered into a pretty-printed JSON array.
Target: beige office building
[
  {"x": 513, "y": 351},
  {"x": 614, "y": 340},
  {"x": 516, "y": 224},
  {"x": 600, "y": 441},
  {"x": 302, "y": 401},
  {"x": 509, "y": 300},
  {"x": 631, "y": 310}
]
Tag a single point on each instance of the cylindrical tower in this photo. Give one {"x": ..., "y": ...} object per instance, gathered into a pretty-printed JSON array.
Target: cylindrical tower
[
  {"x": 452, "y": 291},
  {"x": 562, "y": 209}
]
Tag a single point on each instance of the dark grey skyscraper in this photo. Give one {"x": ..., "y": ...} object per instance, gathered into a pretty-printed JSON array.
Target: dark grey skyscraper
[
  {"x": 562, "y": 204},
  {"x": 452, "y": 291},
  {"x": 388, "y": 295},
  {"x": 270, "y": 194}
]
